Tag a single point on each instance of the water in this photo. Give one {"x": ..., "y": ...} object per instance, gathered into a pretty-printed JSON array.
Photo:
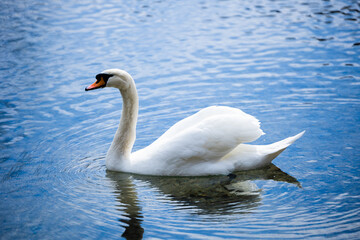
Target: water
[{"x": 293, "y": 64}]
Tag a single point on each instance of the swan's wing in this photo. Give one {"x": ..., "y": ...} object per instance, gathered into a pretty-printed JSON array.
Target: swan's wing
[
  {"x": 206, "y": 136},
  {"x": 209, "y": 112}
]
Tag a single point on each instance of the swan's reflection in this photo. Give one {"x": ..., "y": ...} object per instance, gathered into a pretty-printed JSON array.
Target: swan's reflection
[
  {"x": 235, "y": 193},
  {"x": 129, "y": 205}
]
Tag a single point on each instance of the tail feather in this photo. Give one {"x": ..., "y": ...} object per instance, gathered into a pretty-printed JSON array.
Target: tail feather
[
  {"x": 283, "y": 144},
  {"x": 247, "y": 157},
  {"x": 273, "y": 150}
]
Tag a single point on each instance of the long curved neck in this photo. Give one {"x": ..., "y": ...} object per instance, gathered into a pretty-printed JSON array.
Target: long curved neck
[{"x": 125, "y": 135}]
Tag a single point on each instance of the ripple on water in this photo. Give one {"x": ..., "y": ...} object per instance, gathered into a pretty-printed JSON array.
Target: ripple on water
[{"x": 294, "y": 65}]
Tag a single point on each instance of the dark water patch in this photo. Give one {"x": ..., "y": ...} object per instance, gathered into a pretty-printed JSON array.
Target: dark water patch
[{"x": 324, "y": 39}]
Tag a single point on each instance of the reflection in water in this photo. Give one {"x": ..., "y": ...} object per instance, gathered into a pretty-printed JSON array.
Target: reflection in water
[
  {"x": 208, "y": 195},
  {"x": 127, "y": 196}
]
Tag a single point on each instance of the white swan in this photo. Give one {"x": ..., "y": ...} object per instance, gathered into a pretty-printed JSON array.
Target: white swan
[{"x": 209, "y": 142}]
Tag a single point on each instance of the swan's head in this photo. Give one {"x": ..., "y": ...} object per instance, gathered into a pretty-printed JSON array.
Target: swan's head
[{"x": 112, "y": 78}]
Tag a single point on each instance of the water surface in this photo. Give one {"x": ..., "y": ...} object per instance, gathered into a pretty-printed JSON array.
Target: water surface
[{"x": 293, "y": 64}]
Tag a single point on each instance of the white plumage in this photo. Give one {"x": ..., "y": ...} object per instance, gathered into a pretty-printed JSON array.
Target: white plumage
[{"x": 210, "y": 142}]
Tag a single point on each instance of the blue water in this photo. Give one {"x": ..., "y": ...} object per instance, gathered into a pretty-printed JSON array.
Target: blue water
[{"x": 295, "y": 65}]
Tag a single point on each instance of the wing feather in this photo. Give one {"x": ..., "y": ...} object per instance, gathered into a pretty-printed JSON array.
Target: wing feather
[
  {"x": 207, "y": 135},
  {"x": 207, "y": 113}
]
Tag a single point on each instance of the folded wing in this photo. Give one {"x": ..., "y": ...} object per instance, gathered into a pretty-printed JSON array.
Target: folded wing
[{"x": 205, "y": 136}]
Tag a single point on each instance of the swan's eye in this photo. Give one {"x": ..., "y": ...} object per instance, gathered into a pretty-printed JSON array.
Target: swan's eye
[{"x": 104, "y": 76}]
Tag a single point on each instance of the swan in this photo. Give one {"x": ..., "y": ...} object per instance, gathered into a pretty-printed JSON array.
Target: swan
[{"x": 210, "y": 142}]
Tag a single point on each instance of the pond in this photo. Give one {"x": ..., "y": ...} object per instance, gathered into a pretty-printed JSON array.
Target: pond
[{"x": 294, "y": 65}]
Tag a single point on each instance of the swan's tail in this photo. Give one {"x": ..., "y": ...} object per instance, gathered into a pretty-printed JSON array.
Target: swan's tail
[
  {"x": 286, "y": 142},
  {"x": 247, "y": 157},
  {"x": 273, "y": 150}
]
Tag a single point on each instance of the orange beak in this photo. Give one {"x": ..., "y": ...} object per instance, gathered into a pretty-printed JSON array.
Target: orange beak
[{"x": 98, "y": 84}]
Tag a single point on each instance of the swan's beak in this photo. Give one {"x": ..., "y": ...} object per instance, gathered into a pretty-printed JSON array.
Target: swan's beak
[{"x": 98, "y": 84}]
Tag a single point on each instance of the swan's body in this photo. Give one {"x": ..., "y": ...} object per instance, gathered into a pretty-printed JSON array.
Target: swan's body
[{"x": 210, "y": 142}]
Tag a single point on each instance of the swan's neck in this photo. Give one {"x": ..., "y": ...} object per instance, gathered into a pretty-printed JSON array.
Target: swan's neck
[{"x": 125, "y": 135}]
